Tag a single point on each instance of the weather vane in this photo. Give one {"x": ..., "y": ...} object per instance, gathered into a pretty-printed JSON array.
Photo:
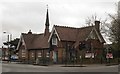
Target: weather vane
[{"x": 47, "y": 6}]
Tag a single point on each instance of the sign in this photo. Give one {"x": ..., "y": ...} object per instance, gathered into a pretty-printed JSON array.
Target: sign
[
  {"x": 109, "y": 55},
  {"x": 89, "y": 55}
]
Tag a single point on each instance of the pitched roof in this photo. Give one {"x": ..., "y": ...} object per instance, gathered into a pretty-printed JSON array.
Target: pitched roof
[
  {"x": 41, "y": 41},
  {"x": 36, "y": 41},
  {"x": 73, "y": 34},
  {"x": 82, "y": 34},
  {"x": 66, "y": 33}
]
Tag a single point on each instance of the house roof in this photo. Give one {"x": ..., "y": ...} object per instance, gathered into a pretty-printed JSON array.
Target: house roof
[
  {"x": 36, "y": 41},
  {"x": 82, "y": 34},
  {"x": 76, "y": 34},
  {"x": 73, "y": 34},
  {"x": 42, "y": 41},
  {"x": 66, "y": 33}
]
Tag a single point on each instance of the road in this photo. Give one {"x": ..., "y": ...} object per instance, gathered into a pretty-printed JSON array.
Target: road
[{"x": 12, "y": 67}]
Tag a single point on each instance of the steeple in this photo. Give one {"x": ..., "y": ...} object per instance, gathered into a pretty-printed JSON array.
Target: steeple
[{"x": 47, "y": 23}]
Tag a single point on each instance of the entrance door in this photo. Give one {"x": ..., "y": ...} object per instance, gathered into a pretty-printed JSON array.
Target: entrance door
[{"x": 55, "y": 56}]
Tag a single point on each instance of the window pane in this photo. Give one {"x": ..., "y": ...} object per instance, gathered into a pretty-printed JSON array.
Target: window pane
[
  {"x": 39, "y": 54},
  {"x": 54, "y": 41}
]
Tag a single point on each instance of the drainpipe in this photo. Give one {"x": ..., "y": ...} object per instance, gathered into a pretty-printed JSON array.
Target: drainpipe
[
  {"x": 28, "y": 56},
  {"x": 35, "y": 55}
]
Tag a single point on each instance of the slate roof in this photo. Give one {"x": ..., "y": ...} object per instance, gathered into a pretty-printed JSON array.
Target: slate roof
[
  {"x": 75, "y": 34},
  {"x": 66, "y": 33},
  {"x": 36, "y": 41}
]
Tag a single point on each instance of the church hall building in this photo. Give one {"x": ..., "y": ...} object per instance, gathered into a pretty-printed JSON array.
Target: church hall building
[{"x": 61, "y": 45}]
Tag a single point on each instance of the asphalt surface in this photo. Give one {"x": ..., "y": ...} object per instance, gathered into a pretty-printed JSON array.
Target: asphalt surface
[{"x": 13, "y": 67}]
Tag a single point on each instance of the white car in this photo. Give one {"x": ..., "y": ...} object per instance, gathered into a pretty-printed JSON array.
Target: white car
[{"x": 14, "y": 57}]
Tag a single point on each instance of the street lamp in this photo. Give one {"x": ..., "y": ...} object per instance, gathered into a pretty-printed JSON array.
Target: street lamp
[{"x": 9, "y": 38}]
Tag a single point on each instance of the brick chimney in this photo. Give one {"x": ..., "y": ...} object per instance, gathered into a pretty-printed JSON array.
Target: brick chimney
[
  {"x": 29, "y": 32},
  {"x": 97, "y": 25}
]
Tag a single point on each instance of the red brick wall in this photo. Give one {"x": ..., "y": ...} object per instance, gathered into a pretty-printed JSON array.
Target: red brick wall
[
  {"x": 97, "y": 44},
  {"x": 33, "y": 54},
  {"x": 20, "y": 53},
  {"x": 60, "y": 54}
]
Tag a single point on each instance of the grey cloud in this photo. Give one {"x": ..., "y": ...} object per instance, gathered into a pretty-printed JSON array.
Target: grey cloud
[{"x": 23, "y": 15}]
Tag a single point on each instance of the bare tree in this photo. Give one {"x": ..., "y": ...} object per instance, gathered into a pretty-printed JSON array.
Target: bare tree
[
  {"x": 115, "y": 31},
  {"x": 104, "y": 26},
  {"x": 110, "y": 30},
  {"x": 115, "y": 27},
  {"x": 90, "y": 20}
]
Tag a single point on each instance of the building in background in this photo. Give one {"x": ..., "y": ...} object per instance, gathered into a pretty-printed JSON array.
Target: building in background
[{"x": 5, "y": 54}]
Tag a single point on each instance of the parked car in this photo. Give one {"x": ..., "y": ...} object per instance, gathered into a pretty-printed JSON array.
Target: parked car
[
  {"x": 14, "y": 57},
  {"x": 5, "y": 58}
]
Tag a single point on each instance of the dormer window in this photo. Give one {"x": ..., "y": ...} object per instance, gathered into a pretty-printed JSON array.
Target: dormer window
[
  {"x": 92, "y": 35},
  {"x": 54, "y": 41}
]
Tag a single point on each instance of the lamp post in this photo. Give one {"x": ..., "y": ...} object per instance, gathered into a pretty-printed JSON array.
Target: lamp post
[{"x": 9, "y": 38}]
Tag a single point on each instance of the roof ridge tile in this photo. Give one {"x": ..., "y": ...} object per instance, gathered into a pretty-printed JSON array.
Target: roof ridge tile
[
  {"x": 65, "y": 26},
  {"x": 72, "y": 27}
]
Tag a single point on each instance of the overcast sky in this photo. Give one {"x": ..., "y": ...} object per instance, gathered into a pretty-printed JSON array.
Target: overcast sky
[{"x": 21, "y": 16}]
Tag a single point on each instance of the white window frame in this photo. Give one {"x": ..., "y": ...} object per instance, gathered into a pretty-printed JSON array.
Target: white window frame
[
  {"x": 23, "y": 53},
  {"x": 23, "y": 43},
  {"x": 32, "y": 54},
  {"x": 39, "y": 54},
  {"x": 92, "y": 36},
  {"x": 54, "y": 41},
  {"x": 47, "y": 54}
]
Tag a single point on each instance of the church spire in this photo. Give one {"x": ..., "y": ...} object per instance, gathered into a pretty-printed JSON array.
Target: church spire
[
  {"x": 47, "y": 23},
  {"x": 47, "y": 18}
]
